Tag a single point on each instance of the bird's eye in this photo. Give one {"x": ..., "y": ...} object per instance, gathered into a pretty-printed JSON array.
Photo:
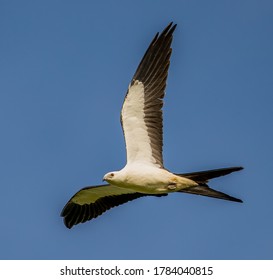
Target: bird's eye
[{"x": 112, "y": 174}]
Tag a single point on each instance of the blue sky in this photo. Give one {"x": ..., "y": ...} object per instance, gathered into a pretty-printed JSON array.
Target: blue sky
[{"x": 64, "y": 71}]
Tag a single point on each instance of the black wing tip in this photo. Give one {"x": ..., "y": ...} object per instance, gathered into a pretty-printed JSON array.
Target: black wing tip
[
  {"x": 65, "y": 210},
  {"x": 68, "y": 219},
  {"x": 169, "y": 29},
  {"x": 171, "y": 25},
  {"x": 68, "y": 224},
  {"x": 167, "y": 32}
]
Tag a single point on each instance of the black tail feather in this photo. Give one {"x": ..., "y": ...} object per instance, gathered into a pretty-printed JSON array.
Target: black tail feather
[
  {"x": 204, "y": 190},
  {"x": 203, "y": 177}
]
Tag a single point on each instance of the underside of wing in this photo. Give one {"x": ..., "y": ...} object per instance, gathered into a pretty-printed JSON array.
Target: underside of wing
[
  {"x": 90, "y": 202},
  {"x": 141, "y": 115}
]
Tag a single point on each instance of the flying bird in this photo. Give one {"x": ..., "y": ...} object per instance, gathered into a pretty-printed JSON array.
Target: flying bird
[{"x": 144, "y": 173}]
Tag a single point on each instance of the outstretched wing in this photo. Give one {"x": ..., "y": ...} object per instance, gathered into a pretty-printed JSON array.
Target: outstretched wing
[
  {"x": 90, "y": 202},
  {"x": 141, "y": 114}
]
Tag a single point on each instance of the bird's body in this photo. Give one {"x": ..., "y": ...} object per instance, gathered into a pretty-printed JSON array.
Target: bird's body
[
  {"x": 148, "y": 179},
  {"x": 144, "y": 173}
]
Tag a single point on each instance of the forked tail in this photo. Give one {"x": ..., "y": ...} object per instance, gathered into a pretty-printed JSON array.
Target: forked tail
[{"x": 203, "y": 177}]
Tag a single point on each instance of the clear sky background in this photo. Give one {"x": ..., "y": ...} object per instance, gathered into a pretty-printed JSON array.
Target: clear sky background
[{"x": 64, "y": 70}]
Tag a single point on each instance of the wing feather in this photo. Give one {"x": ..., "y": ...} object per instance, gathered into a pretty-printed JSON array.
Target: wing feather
[
  {"x": 141, "y": 115},
  {"x": 90, "y": 202}
]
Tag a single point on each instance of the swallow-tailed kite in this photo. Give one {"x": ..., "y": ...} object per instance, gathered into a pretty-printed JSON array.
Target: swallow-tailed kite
[{"x": 144, "y": 173}]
